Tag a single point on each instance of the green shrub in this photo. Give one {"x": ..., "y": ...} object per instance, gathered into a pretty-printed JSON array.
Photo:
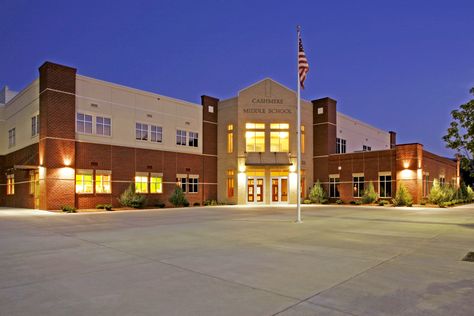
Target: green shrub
[
  {"x": 306, "y": 201},
  {"x": 68, "y": 209},
  {"x": 196, "y": 204},
  {"x": 108, "y": 207},
  {"x": 469, "y": 194},
  {"x": 211, "y": 203},
  {"x": 339, "y": 202},
  {"x": 403, "y": 197},
  {"x": 369, "y": 196},
  {"x": 178, "y": 199},
  {"x": 130, "y": 198},
  {"x": 99, "y": 206},
  {"x": 352, "y": 202},
  {"x": 317, "y": 194},
  {"x": 446, "y": 193},
  {"x": 383, "y": 202},
  {"x": 358, "y": 202},
  {"x": 160, "y": 204}
]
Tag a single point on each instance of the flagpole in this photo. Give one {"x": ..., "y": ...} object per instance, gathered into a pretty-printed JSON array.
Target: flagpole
[{"x": 298, "y": 131}]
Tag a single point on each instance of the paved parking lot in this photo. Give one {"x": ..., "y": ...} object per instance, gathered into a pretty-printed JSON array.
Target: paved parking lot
[{"x": 238, "y": 261}]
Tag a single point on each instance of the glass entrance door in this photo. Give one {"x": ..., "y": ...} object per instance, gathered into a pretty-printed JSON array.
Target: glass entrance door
[
  {"x": 279, "y": 190},
  {"x": 255, "y": 189}
]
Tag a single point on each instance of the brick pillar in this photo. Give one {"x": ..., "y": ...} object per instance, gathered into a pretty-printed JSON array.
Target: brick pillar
[
  {"x": 409, "y": 162},
  {"x": 57, "y": 107},
  {"x": 209, "y": 146},
  {"x": 393, "y": 139},
  {"x": 324, "y": 136}
]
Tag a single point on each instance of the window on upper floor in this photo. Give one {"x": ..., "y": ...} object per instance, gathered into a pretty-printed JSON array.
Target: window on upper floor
[
  {"x": 84, "y": 123},
  {"x": 340, "y": 146},
  {"x": 156, "y": 134},
  {"x": 193, "y": 139},
  {"x": 366, "y": 148},
  {"x": 11, "y": 137},
  {"x": 255, "y": 137},
  {"x": 180, "y": 137},
  {"x": 103, "y": 126},
  {"x": 141, "y": 131},
  {"x": 279, "y": 137},
  {"x": 35, "y": 125}
]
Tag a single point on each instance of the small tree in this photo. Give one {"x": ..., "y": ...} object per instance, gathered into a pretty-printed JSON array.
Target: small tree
[
  {"x": 370, "y": 196},
  {"x": 178, "y": 199},
  {"x": 130, "y": 198},
  {"x": 317, "y": 194},
  {"x": 403, "y": 197},
  {"x": 469, "y": 194}
]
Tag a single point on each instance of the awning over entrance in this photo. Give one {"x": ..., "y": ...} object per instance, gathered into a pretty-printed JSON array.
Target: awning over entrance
[{"x": 265, "y": 159}]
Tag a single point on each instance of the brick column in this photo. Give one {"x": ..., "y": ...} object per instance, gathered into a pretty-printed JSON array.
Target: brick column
[
  {"x": 324, "y": 136},
  {"x": 409, "y": 162},
  {"x": 209, "y": 146},
  {"x": 57, "y": 107}
]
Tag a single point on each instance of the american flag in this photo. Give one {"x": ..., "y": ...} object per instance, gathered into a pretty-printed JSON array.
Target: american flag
[{"x": 303, "y": 66}]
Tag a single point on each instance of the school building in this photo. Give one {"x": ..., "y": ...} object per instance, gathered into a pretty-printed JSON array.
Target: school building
[{"x": 73, "y": 140}]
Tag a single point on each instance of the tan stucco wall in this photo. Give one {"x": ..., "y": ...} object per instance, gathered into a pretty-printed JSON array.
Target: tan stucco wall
[
  {"x": 17, "y": 113},
  {"x": 126, "y": 106}
]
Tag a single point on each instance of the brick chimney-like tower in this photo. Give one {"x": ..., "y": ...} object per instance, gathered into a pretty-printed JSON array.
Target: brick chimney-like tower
[{"x": 57, "y": 107}]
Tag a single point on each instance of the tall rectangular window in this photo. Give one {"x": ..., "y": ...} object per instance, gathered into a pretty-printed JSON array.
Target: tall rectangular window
[
  {"x": 11, "y": 137},
  {"x": 334, "y": 187},
  {"x": 255, "y": 137},
  {"x": 193, "y": 139},
  {"x": 10, "y": 184},
  {"x": 426, "y": 182},
  {"x": 279, "y": 137},
  {"x": 180, "y": 137},
  {"x": 302, "y": 140},
  {"x": 84, "y": 181},
  {"x": 84, "y": 123},
  {"x": 193, "y": 184},
  {"x": 340, "y": 146},
  {"x": 103, "y": 126},
  {"x": 385, "y": 186},
  {"x": 156, "y": 183},
  {"x": 358, "y": 186},
  {"x": 141, "y": 183},
  {"x": 442, "y": 180},
  {"x": 230, "y": 138},
  {"x": 156, "y": 134},
  {"x": 182, "y": 181},
  {"x": 35, "y": 125},
  {"x": 141, "y": 131},
  {"x": 103, "y": 181},
  {"x": 230, "y": 183},
  {"x": 32, "y": 182}
]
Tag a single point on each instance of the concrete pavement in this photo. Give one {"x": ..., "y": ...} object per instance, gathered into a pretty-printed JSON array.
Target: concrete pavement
[{"x": 238, "y": 261}]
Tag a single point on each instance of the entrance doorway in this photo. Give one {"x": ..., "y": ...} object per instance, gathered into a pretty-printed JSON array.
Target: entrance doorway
[
  {"x": 279, "y": 190},
  {"x": 255, "y": 189}
]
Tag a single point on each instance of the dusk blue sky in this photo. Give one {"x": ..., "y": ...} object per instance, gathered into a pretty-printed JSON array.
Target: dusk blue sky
[{"x": 398, "y": 65}]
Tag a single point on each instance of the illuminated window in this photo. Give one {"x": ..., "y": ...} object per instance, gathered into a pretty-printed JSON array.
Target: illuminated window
[
  {"x": 35, "y": 125},
  {"x": 334, "y": 187},
  {"x": 358, "y": 186},
  {"x": 84, "y": 123},
  {"x": 193, "y": 139},
  {"x": 10, "y": 184},
  {"x": 103, "y": 182},
  {"x": 254, "y": 139},
  {"x": 230, "y": 138},
  {"x": 141, "y": 131},
  {"x": 193, "y": 182},
  {"x": 302, "y": 140},
  {"x": 84, "y": 181},
  {"x": 103, "y": 126},
  {"x": 385, "y": 186},
  {"x": 279, "y": 137},
  {"x": 32, "y": 182},
  {"x": 156, "y": 134},
  {"x": 141, "y": 183},
  {"x": 156, "y": 184},
  {"x": 230, "y": 183},
  {"x": 180, "y": 137},
  {"x": 11, "y": 137}
]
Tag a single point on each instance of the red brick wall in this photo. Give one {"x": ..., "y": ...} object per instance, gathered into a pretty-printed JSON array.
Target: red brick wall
[{"x": 57, "y": 134}]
